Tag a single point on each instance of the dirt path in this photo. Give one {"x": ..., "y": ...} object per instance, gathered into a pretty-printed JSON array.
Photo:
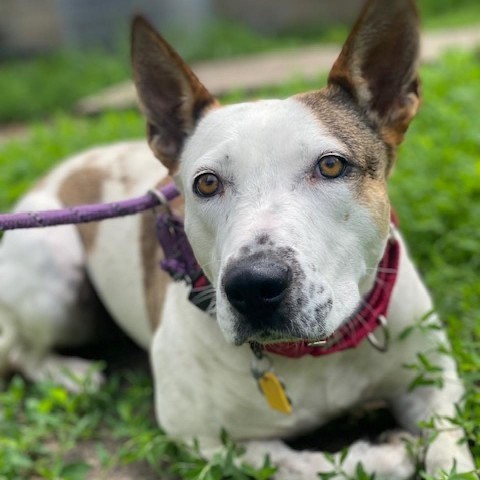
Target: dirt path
[
  {"x": 11, "y": 132},
  {"x": 274, "y": 68},
  {"x": 256, "y": 71}
]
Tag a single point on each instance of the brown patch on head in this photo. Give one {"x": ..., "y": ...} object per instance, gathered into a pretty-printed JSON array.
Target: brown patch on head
[
  {"x": 155, "y": 280},
  {"x": 344, "y": 120},
  {"x": 83, "y": 186},
  {"x": 373, "y": 93}
]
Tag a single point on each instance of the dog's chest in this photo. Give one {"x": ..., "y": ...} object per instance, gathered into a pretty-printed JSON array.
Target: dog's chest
[
  {"x": 204, "y": 384},
  {"x": 219, "y": 391}
]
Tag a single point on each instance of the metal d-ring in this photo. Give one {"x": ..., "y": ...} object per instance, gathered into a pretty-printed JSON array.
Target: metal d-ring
[
  {"x": 162, "y": 199},
  {"x": 381, "y": 347},
  {"x": 159, "y": 196},
  {"x": 261, "y": 363}
]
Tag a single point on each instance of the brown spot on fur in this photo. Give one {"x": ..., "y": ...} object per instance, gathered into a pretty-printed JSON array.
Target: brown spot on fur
[
  {"x": 373, "y": 195},
  {"x": 83, "y": 186},
  {"x": 155, "y": 280},
  {"x": 344, "y": 120}
]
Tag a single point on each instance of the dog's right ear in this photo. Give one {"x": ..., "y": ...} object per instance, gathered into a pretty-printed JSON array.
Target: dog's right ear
[{"x": 171, "y": 96}]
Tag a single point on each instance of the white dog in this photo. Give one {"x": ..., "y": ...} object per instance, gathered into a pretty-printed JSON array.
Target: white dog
[{"x": 286, "y": 209}]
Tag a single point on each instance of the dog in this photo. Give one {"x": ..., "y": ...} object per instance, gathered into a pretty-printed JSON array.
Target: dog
[{"x": 285, "y": 205}]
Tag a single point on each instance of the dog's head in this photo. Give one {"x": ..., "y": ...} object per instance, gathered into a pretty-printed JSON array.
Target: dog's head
[{"x": 286, "y": 200}]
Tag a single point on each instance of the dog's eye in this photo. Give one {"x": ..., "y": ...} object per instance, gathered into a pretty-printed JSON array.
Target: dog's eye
[
  {"x": 331, "y": 166},
  {"x": 207, "y": 185}
]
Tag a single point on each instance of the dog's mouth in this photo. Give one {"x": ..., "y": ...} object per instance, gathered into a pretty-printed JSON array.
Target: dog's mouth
[
  {"x": 267, "y": 339},
  {"x": 324, "y": 331},
  {"x": 271, "y": 337},
  {"x": 295, "y": 347}
]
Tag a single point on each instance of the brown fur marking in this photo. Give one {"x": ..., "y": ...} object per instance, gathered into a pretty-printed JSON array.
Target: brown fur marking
[
  {"x": 344, "y": 120},
  {"x": 84, "y": 186},
  {"x": 155, "y": 280}
]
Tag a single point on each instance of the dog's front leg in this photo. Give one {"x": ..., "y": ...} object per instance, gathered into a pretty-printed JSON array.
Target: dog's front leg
[
  {"x": 436, "y": 405},
  {"x": 388, "y": 461}
]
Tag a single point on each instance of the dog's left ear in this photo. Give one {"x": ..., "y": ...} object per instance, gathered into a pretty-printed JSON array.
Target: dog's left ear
[
  {"x": 171, "y": 96},
  {"x": 378, "y": 66}
]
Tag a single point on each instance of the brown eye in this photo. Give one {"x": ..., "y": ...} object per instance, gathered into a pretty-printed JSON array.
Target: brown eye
[
  {"x": 207, "y": 185},
  {"x": 331, "y": 166}
]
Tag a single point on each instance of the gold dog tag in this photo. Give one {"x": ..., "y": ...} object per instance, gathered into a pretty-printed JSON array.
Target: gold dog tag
[
  {"x": 274, "y": 392},
  {"x": 268, "y": 382}
]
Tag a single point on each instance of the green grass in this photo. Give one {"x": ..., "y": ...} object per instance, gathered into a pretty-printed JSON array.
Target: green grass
[
  {"x": 447, "y": 13},
  {"x": 37, "y": 88},
  {"x": 436, "y": 192}
]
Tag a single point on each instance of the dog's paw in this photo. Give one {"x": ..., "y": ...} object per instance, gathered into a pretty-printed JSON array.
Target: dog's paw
[
  {"x": 72, "y": 373},
  {"x": 290, "y": 464},
  {"x": 448, "y": 453},
  {"x": 301, "y": 466},
  {"x": 388, "y": 461}
]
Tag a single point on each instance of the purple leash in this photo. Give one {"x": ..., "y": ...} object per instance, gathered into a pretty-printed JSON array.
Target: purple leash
[
  {"x": 179, "y": 259},
  {"x": 88, "y": 213}
]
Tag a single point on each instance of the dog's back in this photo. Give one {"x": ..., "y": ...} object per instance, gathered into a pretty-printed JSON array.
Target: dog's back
[{"x": 46, "y": 295}]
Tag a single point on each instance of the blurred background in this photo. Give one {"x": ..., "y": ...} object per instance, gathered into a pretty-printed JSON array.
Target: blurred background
[
  {"x": 65, "y": 87},
  {"x": 63, "y": 50},
  {"x": 38, "y": 26},
  {"x": 29, "y": 26}
]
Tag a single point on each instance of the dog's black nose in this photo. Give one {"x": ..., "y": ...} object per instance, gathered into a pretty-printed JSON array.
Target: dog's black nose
[{"x": 256, "y": 286}]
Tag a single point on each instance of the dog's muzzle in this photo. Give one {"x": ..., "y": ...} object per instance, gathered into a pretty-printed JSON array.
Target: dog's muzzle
[{"x": 256, "y": 287}]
